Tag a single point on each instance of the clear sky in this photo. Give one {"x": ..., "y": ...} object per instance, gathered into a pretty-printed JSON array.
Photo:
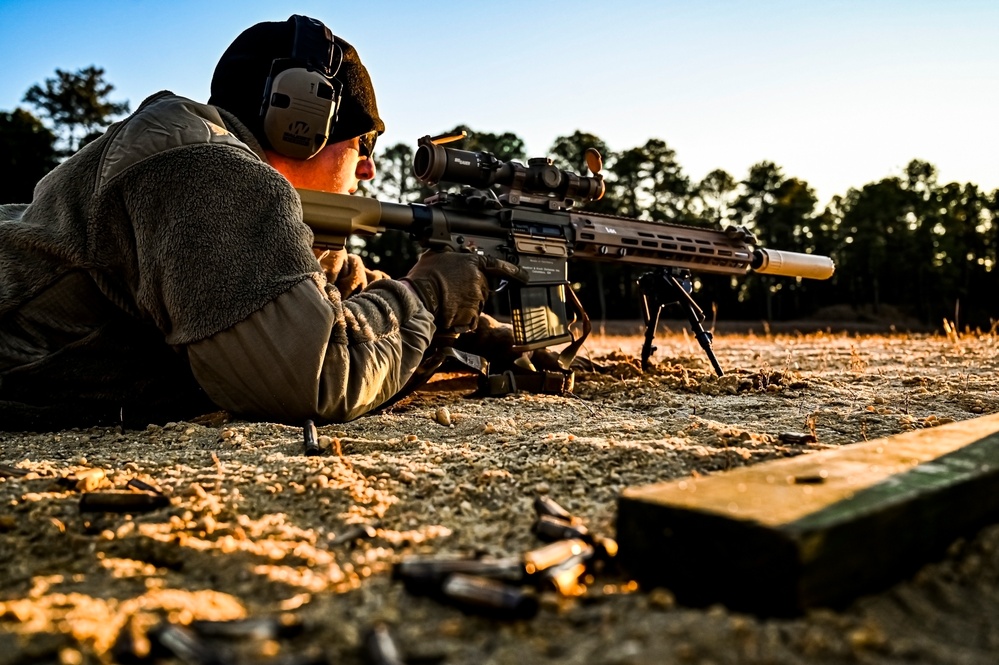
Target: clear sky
[{"x": 838, "y": 93}]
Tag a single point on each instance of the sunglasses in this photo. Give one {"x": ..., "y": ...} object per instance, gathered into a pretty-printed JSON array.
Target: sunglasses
[{"x": 366, "y": 144}]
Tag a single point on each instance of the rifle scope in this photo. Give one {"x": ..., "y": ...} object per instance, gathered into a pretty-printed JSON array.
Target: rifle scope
[{"x": 433, "y": 163}]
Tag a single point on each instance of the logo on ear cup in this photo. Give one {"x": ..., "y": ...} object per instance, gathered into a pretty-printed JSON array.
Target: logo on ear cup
[
  {"x": 302, "y": 91},
  {"x": 296, "y": 122},
  {"x": 298, "y": 133}
]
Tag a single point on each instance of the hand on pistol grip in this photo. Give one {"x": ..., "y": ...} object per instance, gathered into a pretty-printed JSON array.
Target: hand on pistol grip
[{"x": 454, "y": 285}]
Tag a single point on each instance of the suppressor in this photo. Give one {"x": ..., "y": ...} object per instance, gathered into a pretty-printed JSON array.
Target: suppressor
[{"x": 792, "y": 264}]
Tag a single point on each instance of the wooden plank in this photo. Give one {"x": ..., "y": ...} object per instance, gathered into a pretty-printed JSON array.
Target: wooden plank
[{"x": 817, "y": 529}]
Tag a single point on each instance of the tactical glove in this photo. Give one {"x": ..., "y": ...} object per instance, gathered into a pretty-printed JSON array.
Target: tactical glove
[
  {"x": 493, "y": 341},
  {"x": 453, "y": 285},
  {"x": 347, "y": 271}
]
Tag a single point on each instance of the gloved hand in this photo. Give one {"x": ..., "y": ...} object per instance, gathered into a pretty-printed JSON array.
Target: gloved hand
[
  {"x": 346, "y": 271},
  {"x": 454, "y": 287},
  {"x": 493, "y": 341}
]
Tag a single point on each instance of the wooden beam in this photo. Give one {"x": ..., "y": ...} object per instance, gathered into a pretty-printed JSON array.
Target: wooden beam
[{"x": 817, "y": 529}]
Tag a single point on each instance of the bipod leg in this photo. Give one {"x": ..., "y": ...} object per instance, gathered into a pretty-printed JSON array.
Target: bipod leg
[
  {"x": 695, "y": 315},
  {"x": 651, "y": 316}
]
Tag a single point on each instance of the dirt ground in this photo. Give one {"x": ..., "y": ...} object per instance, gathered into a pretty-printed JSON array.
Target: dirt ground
[{"x": 254, "y": 528}]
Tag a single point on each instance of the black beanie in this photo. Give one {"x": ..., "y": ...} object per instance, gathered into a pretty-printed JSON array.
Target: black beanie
[{"x": 240, "y": 77}]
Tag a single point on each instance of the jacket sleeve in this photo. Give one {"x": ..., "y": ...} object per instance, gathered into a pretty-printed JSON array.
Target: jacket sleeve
[
  {"x": 224, "y": 267},
  {"x": 296, "y": 358}
]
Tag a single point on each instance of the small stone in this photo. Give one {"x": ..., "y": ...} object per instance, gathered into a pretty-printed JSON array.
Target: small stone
[
  {"x": 89, "y": 480},
  {"x": 662, "y": 599},
  {"x": 443, "y": 416},
  {"x": 69, "y": 656},
  {"x": 196, "y": 490},
  {"x": 866, "y": 637}
]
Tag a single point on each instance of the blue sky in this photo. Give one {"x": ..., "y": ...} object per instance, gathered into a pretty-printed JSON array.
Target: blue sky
[{"x": 838, "y": 93}]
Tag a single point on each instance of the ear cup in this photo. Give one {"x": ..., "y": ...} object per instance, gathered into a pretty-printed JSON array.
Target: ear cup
[
  {"x": 299, "y": 108},
  {"x": 302, "y": 94}
]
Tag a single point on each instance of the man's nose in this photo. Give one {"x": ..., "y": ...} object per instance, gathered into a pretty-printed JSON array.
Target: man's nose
[{"x": 365, "y": 169}]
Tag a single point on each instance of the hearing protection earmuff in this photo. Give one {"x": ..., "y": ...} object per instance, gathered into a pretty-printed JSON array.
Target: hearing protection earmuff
[{"x": 302, "y": 94}]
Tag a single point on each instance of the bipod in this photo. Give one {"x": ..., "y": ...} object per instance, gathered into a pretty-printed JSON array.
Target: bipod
[{"x": 672, "y": 286}]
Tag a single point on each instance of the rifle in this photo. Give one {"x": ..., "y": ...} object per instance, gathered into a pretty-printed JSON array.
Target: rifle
[{"x": 529, "y": 222}]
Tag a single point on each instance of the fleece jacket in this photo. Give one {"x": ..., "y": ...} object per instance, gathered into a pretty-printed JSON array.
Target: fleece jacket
[{"x": 165, "y": 270}]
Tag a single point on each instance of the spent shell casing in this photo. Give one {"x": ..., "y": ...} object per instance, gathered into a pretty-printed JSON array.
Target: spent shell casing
[
  {"x": 354, "y": 532},
  {"x": 606, "y": 547},
  {"x": 142, "y": 486},
  {"x": 380, "y": 648},
  {"x": 543, "y": 558},
  {"x": 132, "y": 645},
  {"x": 183, "y": 643},
  {"x": 122, "y": 501},
  {"x": 550, "y": 528},
  {"x": 88, "y": 480},
  {"x": 84, "y": 480},
  {"x": 605, "y": 551},
  {"x": 424, "y": 574},
  {"x": 545, "y": 505},
  {"x": 564, "y": 577},
  {"x": 311, "y": 439},
  {"x": 257, "y": 628},
  {"x": 488, "y": 596},
  {"x": 797, "y": 438},
  {"x": 604, "y": 556},
  {"x": 8, "y": 471}
]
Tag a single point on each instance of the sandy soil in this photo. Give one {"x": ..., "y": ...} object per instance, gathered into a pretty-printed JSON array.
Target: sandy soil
[{"x": 254, "y": 528}]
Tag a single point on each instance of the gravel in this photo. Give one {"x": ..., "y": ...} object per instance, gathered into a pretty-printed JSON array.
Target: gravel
[{"x": 255, "y": 528}]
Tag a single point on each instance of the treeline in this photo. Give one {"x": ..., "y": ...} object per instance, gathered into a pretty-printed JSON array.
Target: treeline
[
  {"x": 906, "y": 245},
  {"x": 70, "y": 110}
]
